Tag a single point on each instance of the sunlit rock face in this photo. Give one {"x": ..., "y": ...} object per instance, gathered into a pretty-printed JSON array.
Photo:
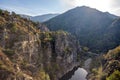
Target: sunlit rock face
[
  {"x": 34, "y": 54},
  {"x": 109, "y": 67}
]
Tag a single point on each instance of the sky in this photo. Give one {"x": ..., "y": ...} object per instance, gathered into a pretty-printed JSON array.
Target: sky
[{"x": 39, "y": 7}]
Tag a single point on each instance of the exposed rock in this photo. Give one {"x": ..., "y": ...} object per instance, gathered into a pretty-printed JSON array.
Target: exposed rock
[
  {"x": 87, "y": 64},
  {"x": 31, "y": 54},
  {"x": 109, "y": 68}
]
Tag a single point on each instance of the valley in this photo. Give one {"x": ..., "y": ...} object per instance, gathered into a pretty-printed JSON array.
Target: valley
[{"x": 80, "y": 44}]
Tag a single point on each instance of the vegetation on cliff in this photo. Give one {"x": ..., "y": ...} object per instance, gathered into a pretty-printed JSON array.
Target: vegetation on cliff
[
  {"x": 109, "y": 67},
  {"x": 32, "y": 51}
]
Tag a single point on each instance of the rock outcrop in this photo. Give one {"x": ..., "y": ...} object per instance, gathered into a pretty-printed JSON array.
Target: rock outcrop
[
  {"x": 27, "y": 53},
  {"x": 109, "y": 69}
]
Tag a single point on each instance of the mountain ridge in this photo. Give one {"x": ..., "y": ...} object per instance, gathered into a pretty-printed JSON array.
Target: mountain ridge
[
  {"x": 87, "y": 24},
  {"x": 40, "y": 18}
]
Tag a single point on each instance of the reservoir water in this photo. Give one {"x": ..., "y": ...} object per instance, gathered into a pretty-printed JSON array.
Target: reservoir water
[
  {"x": 75, "y": 74},
  {"x": 79, "y": 74}
]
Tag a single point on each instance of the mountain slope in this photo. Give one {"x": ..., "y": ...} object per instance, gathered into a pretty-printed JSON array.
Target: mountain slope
[
  {"x": 109, "y": 69},
  {"x": 88, "y": 24},
  {"x": 111, "y": 37}
]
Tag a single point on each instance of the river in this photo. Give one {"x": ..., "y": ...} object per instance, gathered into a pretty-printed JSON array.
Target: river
[
  {"x": 75, "y": 74},
  {"x": 80, "y": 74}
]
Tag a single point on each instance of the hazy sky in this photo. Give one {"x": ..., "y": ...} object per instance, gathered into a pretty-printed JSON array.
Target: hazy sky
[{"x": 38, "y": 7}]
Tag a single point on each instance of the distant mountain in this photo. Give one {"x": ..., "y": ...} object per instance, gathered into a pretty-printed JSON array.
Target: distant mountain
[
  {"x": 40, "y": 18},
  {"x": 25, "y": 16},
  {"x": 113, "y": 33},
  {"x": 87, "y": 24},
  {"x": 43, "y": 18}
]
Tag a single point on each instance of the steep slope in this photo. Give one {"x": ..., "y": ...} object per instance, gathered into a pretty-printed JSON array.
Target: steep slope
[
  {"x": 27, "y": 53},
  {"x": 111, "y": 37},
  {"x": 88, "y": 24},
  {"x": 43, "y": 18},
  {"x": 109, "y": 68}
]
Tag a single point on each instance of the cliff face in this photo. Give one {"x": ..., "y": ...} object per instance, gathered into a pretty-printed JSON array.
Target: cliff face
[
  {"x": 109, "y": 69},
  {"x": 27, "y": 53}
]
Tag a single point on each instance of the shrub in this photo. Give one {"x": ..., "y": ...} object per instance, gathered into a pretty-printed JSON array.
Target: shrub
[
  {"x": 0, "y": 11},
  {"x": 13, "y": 27},
  {"x": 24, "y": 63},
  {"x": 43, "y": 75},
  {"x": 85, "y": 49},
  {"x": 9, "y": 52},
  {"x": 67, "y": 50},
  {"x": 114, "y": 76}
]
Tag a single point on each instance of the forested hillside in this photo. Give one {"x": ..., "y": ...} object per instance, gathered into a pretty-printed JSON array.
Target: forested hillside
[{"x": 89, "y": 25}]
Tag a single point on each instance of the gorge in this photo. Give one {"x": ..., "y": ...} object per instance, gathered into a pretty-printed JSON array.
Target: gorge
[
  {"x": 30, "y": 51},
  {"x": 66, "y": 47}
]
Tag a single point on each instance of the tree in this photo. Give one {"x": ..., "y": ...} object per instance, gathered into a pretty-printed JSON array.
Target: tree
[
  {"x": 13, "y": 13},
  {"x": 0, "y": 11},
  {"x": 6, "y": 12}
]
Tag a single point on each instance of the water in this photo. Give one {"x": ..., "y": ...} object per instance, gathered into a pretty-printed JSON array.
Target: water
[
  {"x": 80, "y": 74},
  {"x": 75, "y": 74}
]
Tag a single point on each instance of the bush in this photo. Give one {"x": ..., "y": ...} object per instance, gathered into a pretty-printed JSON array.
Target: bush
[
  {"x": 9, "y": 52},
  {"x": 114, "y": 76},
  {"x": 85, "y": 49},
  {"x": 43, "y": 75},
  {"x": 0, "y": 11},
  {"x": 13, "y": 27},
  {"x": 67, "y": 50},
  {"x": 6, "y": 12}
]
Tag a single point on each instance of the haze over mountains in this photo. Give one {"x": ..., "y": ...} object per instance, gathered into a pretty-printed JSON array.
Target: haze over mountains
[
  {"x": 43, "y": 18},
  {"x": 89, "y": 25},
  {"x": 40, "y": 18}
]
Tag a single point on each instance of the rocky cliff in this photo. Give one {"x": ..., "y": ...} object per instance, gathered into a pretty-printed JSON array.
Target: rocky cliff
[
  {"x": 109, "y": 67},
  {"x": 29, "y": 53}
]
